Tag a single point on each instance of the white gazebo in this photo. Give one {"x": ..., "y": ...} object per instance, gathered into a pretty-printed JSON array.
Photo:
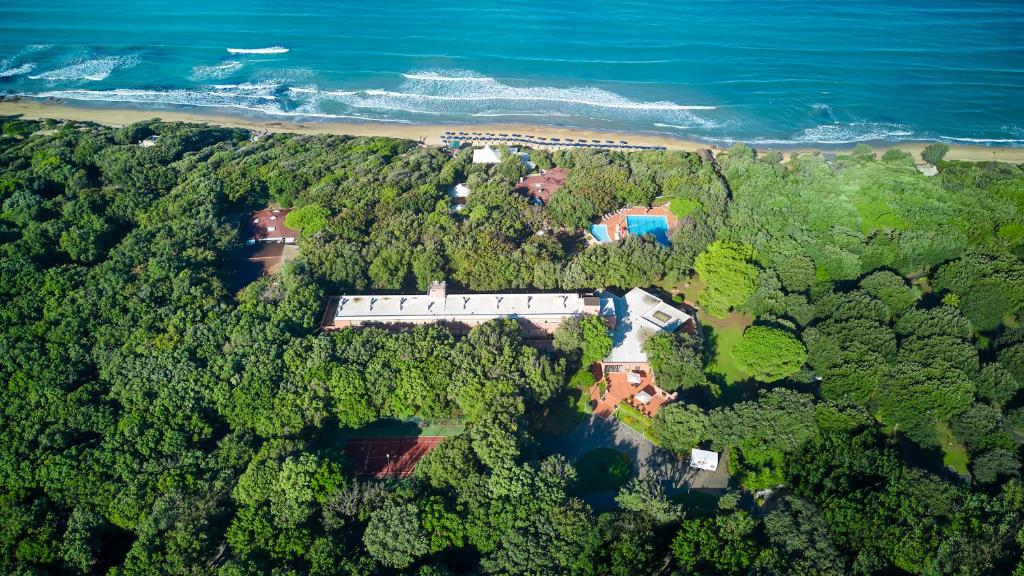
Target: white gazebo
[{"x": 703, "y": 459}]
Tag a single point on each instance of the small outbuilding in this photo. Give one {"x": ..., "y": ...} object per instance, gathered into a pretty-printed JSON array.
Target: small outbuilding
[{"x": 703, "y": 459}]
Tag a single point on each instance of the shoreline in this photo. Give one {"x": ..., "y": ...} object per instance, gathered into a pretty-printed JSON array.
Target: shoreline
[{"x": 431, "y": 133}]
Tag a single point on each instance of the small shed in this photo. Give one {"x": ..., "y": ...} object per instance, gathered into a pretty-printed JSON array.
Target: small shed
[{"x": 703, "y": 459}]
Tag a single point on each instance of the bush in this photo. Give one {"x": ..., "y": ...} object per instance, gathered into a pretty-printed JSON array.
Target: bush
[{"x": 934, "y": 153}]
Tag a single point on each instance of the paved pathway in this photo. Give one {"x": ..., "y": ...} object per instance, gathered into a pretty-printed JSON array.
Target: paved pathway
[{"x": 671, "y": 471}]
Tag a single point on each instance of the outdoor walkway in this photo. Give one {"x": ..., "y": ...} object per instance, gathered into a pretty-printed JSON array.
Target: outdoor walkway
[{"x": 672, "y": 472}]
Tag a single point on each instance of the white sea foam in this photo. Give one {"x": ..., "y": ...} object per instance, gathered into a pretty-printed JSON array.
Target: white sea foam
[
  {"x": 17, "y": 70},
  {"x": 259, "y": 98},
  {"x": 983, "y": 140},
  {"x": 215, "y": 72},
  {"x": 465, "y": 93},
  {"x": 94, "y": 69},
  {"x": 434, "y": 77},
  {"x": 676, "y": 126},
  {"x": 270, "y": 50},
  {"x": 849, "y": 133}
]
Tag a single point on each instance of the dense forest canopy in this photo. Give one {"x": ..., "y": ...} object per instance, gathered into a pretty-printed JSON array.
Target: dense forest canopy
[{"x": 161, "y": 417}]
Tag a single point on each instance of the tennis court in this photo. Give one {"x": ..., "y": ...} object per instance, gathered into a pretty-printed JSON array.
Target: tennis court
[{"x": 394, "y": 457}]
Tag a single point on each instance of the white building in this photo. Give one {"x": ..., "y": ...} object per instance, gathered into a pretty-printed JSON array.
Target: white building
[
  {"x": 540, "y": 313},
  {"x": 640, "y": 315}
]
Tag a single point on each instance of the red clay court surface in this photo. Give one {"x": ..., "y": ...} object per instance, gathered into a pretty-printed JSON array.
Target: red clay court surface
[{"x": 394, "y": 457}]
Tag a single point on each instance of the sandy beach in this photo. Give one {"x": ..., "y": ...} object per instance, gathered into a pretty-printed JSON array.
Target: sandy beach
[{"x": 431, "y": 133}]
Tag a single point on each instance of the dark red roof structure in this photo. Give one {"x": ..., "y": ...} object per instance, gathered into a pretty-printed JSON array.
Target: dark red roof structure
[
  {"x": 542, "y": 186},
  {"x": 268, "y": 226}
]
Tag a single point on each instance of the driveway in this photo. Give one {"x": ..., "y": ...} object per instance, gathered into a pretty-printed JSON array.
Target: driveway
[{"x": 671, "y": 471}]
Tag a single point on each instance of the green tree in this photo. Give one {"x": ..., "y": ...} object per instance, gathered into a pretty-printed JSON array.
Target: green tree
[
  {"x": 645, "y": 496},
  {"x": 395, "y": 537},
  {"x": 935, "y": 152},
  {"x": 677, "y": 361},
  {"x": 680, "y": 427},
  {"x": 723, "y": 543},
  {"x": 730, "y": 275},
  {"x": 769, "y": 354}
]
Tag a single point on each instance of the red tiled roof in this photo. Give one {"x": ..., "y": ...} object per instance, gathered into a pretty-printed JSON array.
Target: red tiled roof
[
  {"x": 542, "y": 186},
  {"x": 259, "y": 225}
]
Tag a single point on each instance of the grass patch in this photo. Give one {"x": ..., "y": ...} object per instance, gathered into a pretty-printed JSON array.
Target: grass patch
[
  {"x": 724, "y": 339},
  {"x": 603, "y": 469},
  {"x": 634, "y": 419},
  {"x": 697, "y": 504},
  {"x": 954, "y": 454}
]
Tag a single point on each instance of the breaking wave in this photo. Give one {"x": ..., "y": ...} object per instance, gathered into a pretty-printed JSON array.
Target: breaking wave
[
  {"x": 92, "y": 70},
  {"x": 270, "y": 50},
  {"x": 215, "y": 72},
  {"x": 17, "y": 70},
  {"x": 263, "y": 98},
  {"x": 460, "y": 93},
  {"x": 850, "y": 133},
  {"x": 1007, "y": 141}
]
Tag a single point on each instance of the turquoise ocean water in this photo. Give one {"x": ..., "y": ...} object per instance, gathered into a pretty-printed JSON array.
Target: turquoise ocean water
[{"x": 772, "y": 72}]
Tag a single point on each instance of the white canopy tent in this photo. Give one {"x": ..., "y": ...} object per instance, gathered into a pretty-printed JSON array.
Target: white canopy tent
[
  {"x": 703, "y": 459},
  {"x": 486, "y": 155}
]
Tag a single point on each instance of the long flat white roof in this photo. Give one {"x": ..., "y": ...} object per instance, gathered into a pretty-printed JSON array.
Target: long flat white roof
[
  {"x": 399, "y": 308},
  {"x": 640, "y": 316}
]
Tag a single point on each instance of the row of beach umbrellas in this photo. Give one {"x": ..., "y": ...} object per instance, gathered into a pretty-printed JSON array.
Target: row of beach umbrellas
[{"x": 541, "y": 140}]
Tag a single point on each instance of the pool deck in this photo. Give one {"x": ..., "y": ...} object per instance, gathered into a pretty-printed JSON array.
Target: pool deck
[{"x": 618, "y": 227}]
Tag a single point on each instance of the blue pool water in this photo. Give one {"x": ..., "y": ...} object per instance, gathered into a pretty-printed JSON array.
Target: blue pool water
[
  {"x": 655, "y": 225},
  {"x": 600, "y": 231},
  {"x": 766, "y": 71}
]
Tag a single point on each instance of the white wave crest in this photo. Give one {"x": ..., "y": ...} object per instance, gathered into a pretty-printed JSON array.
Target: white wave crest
[
  {"x": 215, "y": 72},
  {"x": 270, "y": 50},
  {"x": 93, "y": 70},
  {"x": 1010, "y": 141},
  {"x": 259, "y": 98},
  {"x": 466, "y": 93},
  {"x": 849, "y": 133},
  {"x": 18, "y": 70}
]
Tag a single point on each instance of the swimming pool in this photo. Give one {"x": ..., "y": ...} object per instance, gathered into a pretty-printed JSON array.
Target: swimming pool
[
  {"x": 656, "y": 225},
  {"x": 600, "y": 231}
]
